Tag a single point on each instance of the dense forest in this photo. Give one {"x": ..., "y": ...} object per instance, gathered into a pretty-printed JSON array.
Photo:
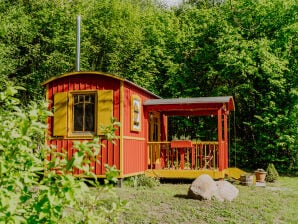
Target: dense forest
[{"x": 247, "y": 49}]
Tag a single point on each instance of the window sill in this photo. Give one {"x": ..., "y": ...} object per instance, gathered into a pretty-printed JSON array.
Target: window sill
[{"x": 76, "y": 136}]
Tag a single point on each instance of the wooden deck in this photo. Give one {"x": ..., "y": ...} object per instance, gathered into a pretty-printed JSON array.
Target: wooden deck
[
  {"x": 186, "y": 159},
  {"x": 183, "y": 155},
  {"x": 183, "y": 174},
  {"x": 233, "y": 172}
]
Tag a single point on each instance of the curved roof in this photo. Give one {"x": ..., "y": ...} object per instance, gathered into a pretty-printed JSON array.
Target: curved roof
[
  {"x": 191, "y": 106},
  {"x": 81, "y": 73},
  {"x": 98, "y": 74}
]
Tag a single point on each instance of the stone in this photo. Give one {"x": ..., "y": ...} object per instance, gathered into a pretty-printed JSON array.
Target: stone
[
  {"x": 225, "y": 191},
  {"x": 202, "y": 188}
]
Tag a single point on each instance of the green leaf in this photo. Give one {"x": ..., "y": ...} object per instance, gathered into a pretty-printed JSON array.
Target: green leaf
[{"x": 70, "y": 164}]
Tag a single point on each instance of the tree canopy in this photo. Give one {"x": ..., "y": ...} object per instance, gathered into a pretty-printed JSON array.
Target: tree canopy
[{"x": 246, "y": 48}]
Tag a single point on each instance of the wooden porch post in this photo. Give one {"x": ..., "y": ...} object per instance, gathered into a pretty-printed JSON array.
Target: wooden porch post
[
  {"x": 226, "y": 140},
  {"x": 164, "y": 127},
  {"x": 146, "y": 130},
  {"x": 220, "y": 148}
]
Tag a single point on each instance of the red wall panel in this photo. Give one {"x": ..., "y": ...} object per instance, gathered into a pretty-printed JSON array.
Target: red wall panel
[
  {"x": 135, "y": 142},
  {"x": 134, "y": 156},
  {"x": 110, "y": 153}
]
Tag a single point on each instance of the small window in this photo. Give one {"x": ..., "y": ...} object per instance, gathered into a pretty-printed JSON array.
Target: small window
[
  {"x": 135, "y": 113},
  {"x": 84, "y": 113}
]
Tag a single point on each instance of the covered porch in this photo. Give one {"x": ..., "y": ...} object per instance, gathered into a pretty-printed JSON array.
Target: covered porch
[{"x": 189, "y": 158}]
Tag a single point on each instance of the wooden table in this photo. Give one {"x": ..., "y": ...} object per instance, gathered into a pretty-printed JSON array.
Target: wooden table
[{"x": 181, "y": 145}]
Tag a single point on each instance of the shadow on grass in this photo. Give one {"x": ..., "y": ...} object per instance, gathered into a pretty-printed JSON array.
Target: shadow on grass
[
  {"x": 184, "y": 196},
  {"x": 175, "y": 181}
]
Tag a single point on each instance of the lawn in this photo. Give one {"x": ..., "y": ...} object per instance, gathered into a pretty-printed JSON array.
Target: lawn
[{"x": 168, "y": 203}]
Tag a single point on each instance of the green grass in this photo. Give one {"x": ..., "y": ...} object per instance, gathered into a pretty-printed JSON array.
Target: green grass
[{"x": 168, "y": 203}]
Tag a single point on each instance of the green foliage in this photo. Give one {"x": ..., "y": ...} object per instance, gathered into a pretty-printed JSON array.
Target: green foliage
[
  {"x": 109, "y": 131},
  {"x": 272, "y": 174},
  {"x": 246, "y": 49},
  {"x": 111, "y": 175},
  {"x": 142, "y": 181},
  {"x": 35, "y": 190},
  {"x": 262, "y": 81}
]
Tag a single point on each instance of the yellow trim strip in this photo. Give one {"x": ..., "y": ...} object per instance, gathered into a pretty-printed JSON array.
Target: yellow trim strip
[
  {"x": 121, "y": 126},
  {"x": 132, "y": 174},
  {"x": 183, "y": 174},
  {"x": 104, "y": 176},
  {"x": 76, "y": 137},
  {"x": 133, "y": 138}
]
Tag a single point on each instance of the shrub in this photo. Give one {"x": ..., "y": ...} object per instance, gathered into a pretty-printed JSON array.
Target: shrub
[
  {"x": 142, "y": 181},
  {"x": 272, "y": 174},
  {"x": 29, "y": 196}
]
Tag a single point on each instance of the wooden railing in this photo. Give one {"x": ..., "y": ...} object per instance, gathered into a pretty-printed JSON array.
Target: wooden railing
[{"x": 191, "y": 155}]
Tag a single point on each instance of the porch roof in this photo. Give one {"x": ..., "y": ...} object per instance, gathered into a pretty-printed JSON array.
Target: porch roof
[{"x": 199, "y": 106}]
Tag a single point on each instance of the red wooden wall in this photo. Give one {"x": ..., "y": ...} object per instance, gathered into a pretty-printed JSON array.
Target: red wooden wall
[
  {"x": 109, "y": 154},
  {"x": 135, "y": 149}
]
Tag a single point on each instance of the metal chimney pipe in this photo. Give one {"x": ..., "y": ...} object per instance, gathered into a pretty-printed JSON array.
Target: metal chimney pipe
[{"x": 78, "y": 50}]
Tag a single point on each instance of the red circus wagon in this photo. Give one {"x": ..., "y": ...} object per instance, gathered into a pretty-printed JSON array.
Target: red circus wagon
[{"x": 84, "y": 101}]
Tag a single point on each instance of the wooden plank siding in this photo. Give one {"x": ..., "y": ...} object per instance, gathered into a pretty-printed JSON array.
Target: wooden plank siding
[
  {"x": 134, "y": 156},
  {"x": 109, "y": 154},
  {"x": 135, "y": 148}
]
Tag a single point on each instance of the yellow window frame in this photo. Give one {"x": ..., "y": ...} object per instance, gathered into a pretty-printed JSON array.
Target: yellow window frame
[
  {"x": 71, "y": 131},
  {"x": 64, "y": 114},
  {"x": 135, "y": 113}
]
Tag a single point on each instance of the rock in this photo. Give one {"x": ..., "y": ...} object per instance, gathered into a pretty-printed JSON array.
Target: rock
[
  {"x": 226, "y": 191},
  {"x": 202, "y": 188}
]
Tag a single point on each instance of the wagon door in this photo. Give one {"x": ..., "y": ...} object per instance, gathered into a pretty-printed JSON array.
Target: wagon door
[{"x": 154, "y": 140}]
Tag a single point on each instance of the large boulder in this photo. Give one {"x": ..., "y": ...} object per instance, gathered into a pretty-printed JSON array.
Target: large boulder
[
  {"x": 202, "y": 188},
  {"x": 226, "y": 191}
]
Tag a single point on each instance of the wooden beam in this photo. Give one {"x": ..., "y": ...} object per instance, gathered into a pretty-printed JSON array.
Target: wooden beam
[
  {"x": 210, "y": 112},
  {"x": 219, "y": 134},
  {"x": 177, "y": 107},
  {"x": 226, "y": 141}
]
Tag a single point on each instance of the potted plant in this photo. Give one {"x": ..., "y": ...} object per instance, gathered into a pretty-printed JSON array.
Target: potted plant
[{"x": 260, "y": 175}]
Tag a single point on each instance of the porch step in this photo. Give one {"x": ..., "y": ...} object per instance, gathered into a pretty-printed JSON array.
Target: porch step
[
  {"x": 234, "y": 172},
  {"x": 183, "y": 174}
]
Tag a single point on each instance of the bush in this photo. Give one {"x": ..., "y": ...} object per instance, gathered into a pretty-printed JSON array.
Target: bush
[
  {"x": 142, "y": 181},
  {"x": 29, "y": 196},
  {"x": 272, "y": 174}
]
